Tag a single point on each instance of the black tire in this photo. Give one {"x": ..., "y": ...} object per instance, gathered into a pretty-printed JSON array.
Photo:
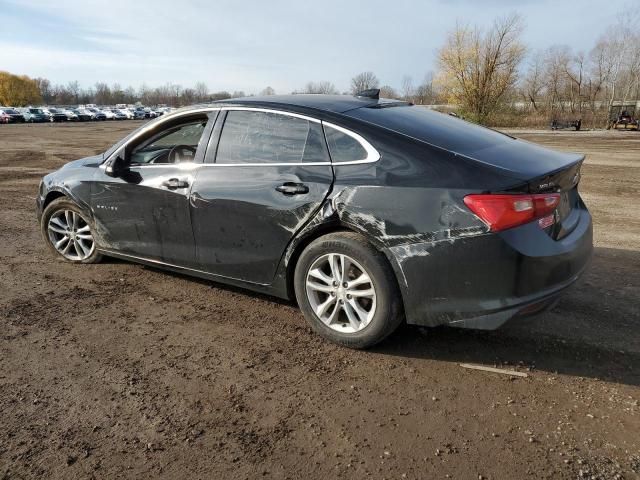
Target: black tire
[
  {"x": 64, "y": 203},
  {"x": 388, "y": 314}
]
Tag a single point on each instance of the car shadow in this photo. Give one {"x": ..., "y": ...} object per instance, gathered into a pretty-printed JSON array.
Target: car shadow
[{"x": 594, "y": 331}]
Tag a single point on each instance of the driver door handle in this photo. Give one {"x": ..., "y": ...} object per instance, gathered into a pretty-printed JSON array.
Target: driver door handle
[
  {"x": 291, "y": 188},
  {"x": 175, "y": 183}
]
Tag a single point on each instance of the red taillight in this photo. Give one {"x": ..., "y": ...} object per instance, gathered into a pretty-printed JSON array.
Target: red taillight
[{"x": 500, "y": 212}]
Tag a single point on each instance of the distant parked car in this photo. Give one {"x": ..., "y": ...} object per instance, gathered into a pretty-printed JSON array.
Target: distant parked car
[
  {"x": 58, "y": 115},
  {"x": 63, "y": 115},
  {"x": 37, "y": 115},
  {"x": 4, "y": 118},
  {"x": 71, "y": 115},
  {"x": 108, "y": 113},
  {"x": 25, "y": 113},
  {"x": 140, "y": 112},
  {"x": 14, "y": 116},
  {"x": 118, "y": 114},
  {"x": 148, "y": 113},
  {"x": 84, "y": 115},
  {"x": 122, "y": 114},
  {"x": 128, "y": 112},
  {"x": 97, "y": 113}
]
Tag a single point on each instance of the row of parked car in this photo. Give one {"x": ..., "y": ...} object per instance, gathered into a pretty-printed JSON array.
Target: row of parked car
[{"x": 79, "y": 114}]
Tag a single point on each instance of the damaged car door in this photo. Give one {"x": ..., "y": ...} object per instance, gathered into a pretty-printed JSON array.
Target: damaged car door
[
  {"x": 140, "y": 200},
  {"x": 266, "y": 173}
]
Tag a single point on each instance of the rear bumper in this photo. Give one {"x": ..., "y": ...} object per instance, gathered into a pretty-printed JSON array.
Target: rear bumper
[{"x": 485, "y": 280}]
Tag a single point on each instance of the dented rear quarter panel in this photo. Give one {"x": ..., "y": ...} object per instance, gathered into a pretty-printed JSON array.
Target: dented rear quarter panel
[{"x": 409, "y": 204}]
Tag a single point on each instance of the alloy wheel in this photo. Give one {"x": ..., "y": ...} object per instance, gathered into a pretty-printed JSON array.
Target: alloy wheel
[
  {"x": 70, "y": 235},
  {"x": 341, "y": 293}
]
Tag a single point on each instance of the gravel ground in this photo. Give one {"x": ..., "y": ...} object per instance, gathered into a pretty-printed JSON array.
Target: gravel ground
[{"x": 121, "y": 371}]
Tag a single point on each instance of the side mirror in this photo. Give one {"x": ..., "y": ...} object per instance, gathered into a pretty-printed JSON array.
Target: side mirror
[{"x": 116, "y": 165}]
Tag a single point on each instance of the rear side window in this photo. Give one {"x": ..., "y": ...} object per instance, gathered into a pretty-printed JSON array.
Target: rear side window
[
  {"x": 435, "y": 128},
  {"x": 343, "y": 147},
  {"x": 265, "y": 137}
]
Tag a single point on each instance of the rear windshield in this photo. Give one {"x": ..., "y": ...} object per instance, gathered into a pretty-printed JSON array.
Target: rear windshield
[{"x": 433, "y": 127}]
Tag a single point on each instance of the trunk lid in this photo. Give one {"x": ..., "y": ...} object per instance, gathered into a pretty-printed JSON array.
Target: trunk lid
[{"x": 565, "y": 181}]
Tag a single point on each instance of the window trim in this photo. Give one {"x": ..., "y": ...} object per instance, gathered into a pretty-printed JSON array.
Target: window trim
[
  {"x": 159, "y": 125},
  {"x": 372, "y": 154},
  {"x": 273, "y": 110},
  {"x": 153, "y": 138}
]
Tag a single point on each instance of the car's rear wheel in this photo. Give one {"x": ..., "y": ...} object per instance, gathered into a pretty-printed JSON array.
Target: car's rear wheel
[
  {"x": 347, "y": 291},
  {"x": 68, "y": 232}
]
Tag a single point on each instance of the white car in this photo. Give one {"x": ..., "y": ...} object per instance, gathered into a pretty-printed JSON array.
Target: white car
[
  {"x": 126, "y": 112},
  {"x": 108, "y": 113}
]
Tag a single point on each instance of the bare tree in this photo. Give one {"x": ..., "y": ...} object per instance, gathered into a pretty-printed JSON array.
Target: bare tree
[
  {"x": 533, "y": 82},
  {"x": 129, "y": 95},
  {"x": 117, "y": 94},
  {"x": 201, "y": 92},
  {"x": 364, "y": 81},
  {"x": 425, "y": 93},
  {"x": 575, "y": 71},
  {"x": 222, "y": 95},
  {"x": 556, "y": 59},
  {"x": 103, "y": 93},
  {"x": 268, "y": 91},
  {"x": 477, "y": 68},
  {"x": 74, "y": 90},
  {"x": 407, "y": 88},
  {"x": 188, "y": 96},
  {"x": 388, "y": 92},
  {"x": 44, "y": 85},
  {"x": 324, "y": 87}
]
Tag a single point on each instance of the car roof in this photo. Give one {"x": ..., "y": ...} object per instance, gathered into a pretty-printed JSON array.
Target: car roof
[{"x": 327, "y": 103}]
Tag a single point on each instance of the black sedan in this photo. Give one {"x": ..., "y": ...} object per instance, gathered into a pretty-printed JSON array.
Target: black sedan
[
  {"x": 59, "y": 115},
  {"x": 12, "y": 115},
  {"x": 63, "y": 115},
  {"x": 368, "y": 212},
  {"x": 83, "y": 115}
]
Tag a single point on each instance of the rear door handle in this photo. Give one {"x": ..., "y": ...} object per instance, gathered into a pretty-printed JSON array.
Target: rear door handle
[
  {"x": 175, "y": 183},
  {"x": 291, "y": 188}
]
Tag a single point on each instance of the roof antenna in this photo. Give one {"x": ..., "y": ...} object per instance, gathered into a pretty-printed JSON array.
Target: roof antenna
[{"x": 370, "y": 93}]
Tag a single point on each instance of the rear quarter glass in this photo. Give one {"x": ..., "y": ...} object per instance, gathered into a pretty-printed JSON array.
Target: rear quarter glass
[{"x": 521, "y": 159}]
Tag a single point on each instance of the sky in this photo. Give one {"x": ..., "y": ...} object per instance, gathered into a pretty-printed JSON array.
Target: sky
[{"x": 250, "y": 44}]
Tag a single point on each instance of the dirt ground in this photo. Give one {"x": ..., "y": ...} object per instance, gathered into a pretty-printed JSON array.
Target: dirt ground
[{"x": 121, "y": 371}]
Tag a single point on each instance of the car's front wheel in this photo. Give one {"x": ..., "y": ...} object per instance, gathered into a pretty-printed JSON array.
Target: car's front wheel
[
  {"x": 347, "y": 291},
  {"x": 68, "y": 232}
]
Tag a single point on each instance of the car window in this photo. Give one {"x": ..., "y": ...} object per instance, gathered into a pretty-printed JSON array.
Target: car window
[
  {"x": 445, "y": 131},
  {"x": 343, "y": 147},
  {"x": 158, "y": 148},
  {"x": 266, "y": 137}
]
